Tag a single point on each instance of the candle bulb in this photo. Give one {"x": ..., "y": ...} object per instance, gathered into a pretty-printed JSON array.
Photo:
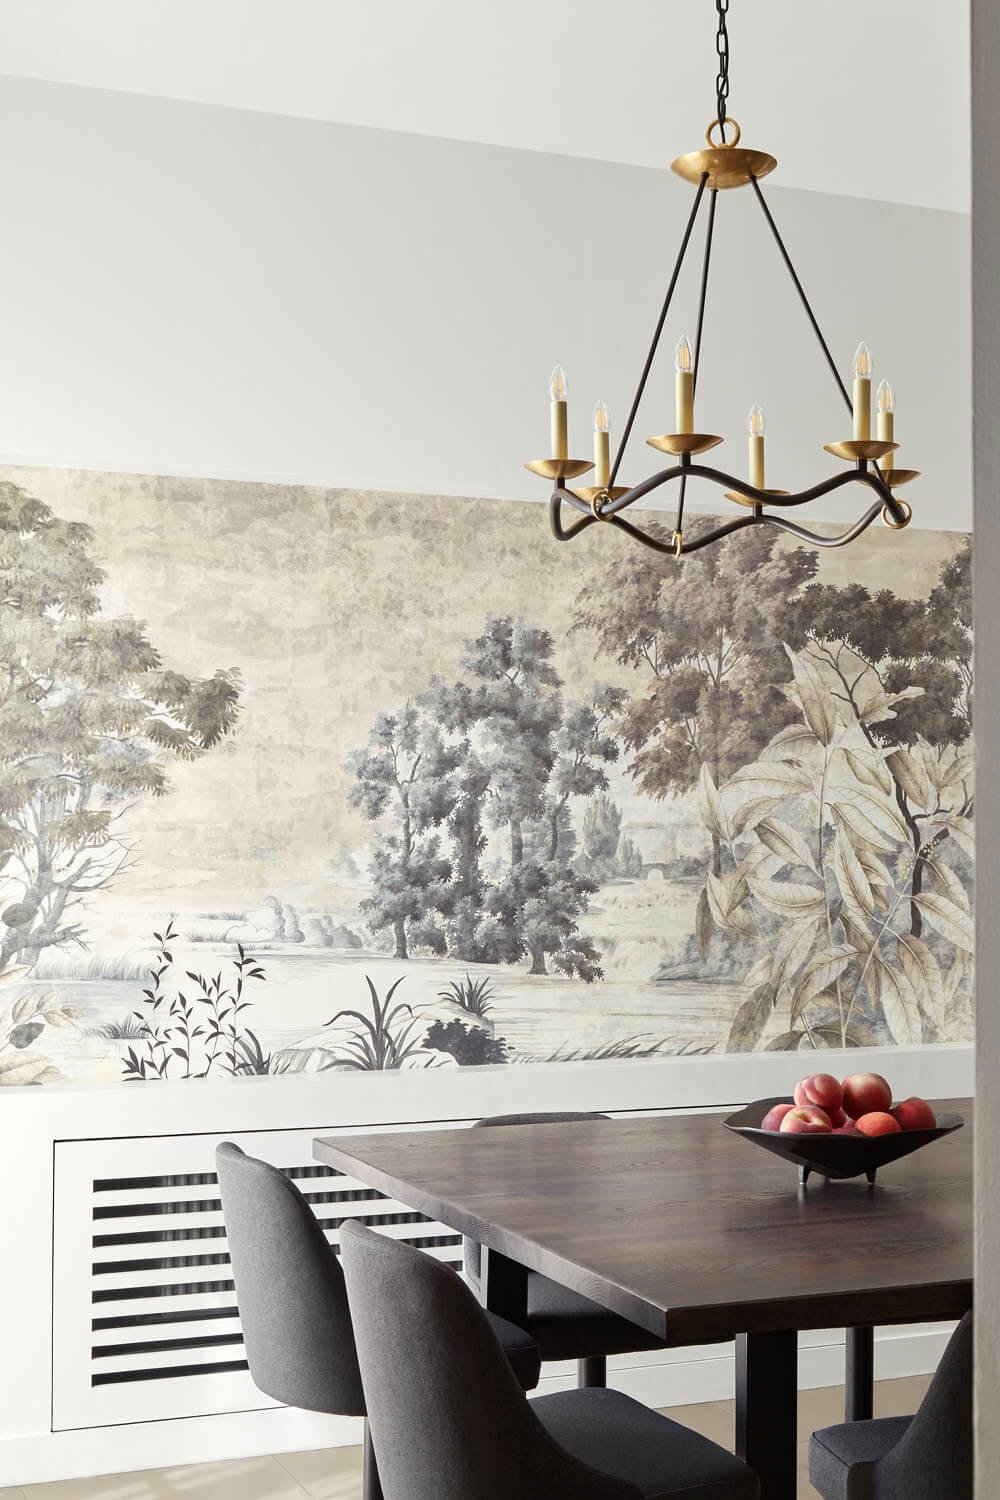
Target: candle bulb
[
  {"x": 558, "y": 424},
  {"x": 862, "y": 393},
  {"x": 885, "y": 406},
  {"x": 755, "y": 446},
  {"x": 602, "y": 445},
  {"x": 684, "y": 387}
]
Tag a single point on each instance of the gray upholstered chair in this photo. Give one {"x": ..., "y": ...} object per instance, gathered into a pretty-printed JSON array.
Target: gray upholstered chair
[
  {"x": 565, "y": 1324},
  {"x": 449, "y": 1419},
  {"x": 293, "y": 1302},
  {"x": 924, "y": 1457}
]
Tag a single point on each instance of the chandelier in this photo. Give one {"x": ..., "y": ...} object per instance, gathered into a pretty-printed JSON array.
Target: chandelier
[{"x": 724, "y": 164}]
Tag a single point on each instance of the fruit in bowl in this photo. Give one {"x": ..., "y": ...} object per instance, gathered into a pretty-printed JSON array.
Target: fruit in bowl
[
  {"x": 865, "y": 1094},
  {"x": 914, "y": 1114},
  {"x": 772, "y": 1120},
  {"x": 878, "y": 1122},
  {"x": 820, "y": 1090},
  {"x": 806, "y": 1120}
]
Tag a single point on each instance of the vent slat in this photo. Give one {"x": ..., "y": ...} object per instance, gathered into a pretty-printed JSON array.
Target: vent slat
[{"x": 144, "y": 1301}]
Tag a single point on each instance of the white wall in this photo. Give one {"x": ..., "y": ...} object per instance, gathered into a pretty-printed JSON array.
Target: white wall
[{"x": 196, "y": 290}]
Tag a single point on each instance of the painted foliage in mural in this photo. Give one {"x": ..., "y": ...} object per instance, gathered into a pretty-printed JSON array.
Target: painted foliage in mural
[{"x": 298, "y": 780}]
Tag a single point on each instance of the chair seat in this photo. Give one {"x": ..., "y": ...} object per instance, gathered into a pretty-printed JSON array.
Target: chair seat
[
  {"x": 523, "y": 1354},
  {"x": 664, "y": 1461},
  {"x": 567, "y": 1325},
  {"x": 833, "y": 1451}
]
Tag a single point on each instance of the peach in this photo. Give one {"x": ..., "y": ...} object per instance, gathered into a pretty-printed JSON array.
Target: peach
[
  {"x": 808, "y": 1120},
  {"x": 820, "y": 1091},
  {"x": 838, "y": 1118},
  {"x": 866, "y": 1094},
  {"x": 914, "y": 1114},
  {"x": 772, "y": 1120},
  {"x": 878, "y": 1122},
  {"x": 849, "y": 1128}
]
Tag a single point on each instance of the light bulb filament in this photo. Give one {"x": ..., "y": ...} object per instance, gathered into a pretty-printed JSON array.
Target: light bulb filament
[{"x": 558, "y": 384}]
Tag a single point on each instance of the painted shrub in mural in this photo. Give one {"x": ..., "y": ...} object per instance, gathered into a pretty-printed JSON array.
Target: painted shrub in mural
[{"x": 449, "y": 808}]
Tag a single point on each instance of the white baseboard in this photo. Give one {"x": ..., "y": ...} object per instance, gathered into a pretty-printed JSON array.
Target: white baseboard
[{"x": 678, "y": 1377}]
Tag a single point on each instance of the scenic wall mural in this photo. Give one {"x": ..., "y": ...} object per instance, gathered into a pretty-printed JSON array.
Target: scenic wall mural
[{"x": 301, "y": 779}]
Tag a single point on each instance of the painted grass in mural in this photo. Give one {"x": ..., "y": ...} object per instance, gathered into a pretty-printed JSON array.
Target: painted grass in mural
[{"x": 618, "y": 811}]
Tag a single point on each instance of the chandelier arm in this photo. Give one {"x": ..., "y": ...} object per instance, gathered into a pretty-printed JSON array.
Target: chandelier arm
[
  {"x": 840, "y": 540},
  {"x": 566, "y": 533},
  {"x": 713, "y": 202},
  {"x": 726, "y": 481},
  {"x": 802, "y": 296},
  {"x": 640, "y": 388}
]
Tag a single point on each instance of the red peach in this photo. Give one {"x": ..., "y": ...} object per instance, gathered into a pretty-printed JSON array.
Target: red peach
[
  {"x": 848, "y": 1129},
  {"x": 772, "y": 1120},
  {"x": 799, "y": 1094},
  {"x": 878, "y": 1122},
  {"x": 806, "y": 1121},
  {"x": 914, "y": 1114},
  {"x": 821, "y": 1090},
  {"x": 866, "y": 1094},
  {"x": 838, "y": 1117}
]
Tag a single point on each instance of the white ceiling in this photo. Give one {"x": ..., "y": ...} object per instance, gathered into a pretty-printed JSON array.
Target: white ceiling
[{"x": 852, "y": 96}]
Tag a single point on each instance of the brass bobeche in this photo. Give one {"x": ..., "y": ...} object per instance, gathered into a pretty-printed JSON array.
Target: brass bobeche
[
  {"x": 559, "y": 468},
  {"x": 590, "y": 493},
  {"x": 724, "y": 165},
  {"x": 895, "y": 477},
  {"x": 679, "y": 443},
  {"x": 855, "y": 449},
  {"x": 749, "y": 500}
]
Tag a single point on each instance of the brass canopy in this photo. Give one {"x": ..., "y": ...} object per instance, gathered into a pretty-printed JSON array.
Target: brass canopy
[
  {"x": 680, "y": 443},
  {"x": 854, "y": 449},
  {"x": 726, "y": 166},
  {"x": 559, "y": 468}
]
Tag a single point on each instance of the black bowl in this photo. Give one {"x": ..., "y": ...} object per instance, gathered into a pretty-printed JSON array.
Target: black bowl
[{"x": 834, "y": 1155}]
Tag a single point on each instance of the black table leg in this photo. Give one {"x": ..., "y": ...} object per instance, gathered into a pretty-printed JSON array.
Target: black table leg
[
  {"x": 505, "y": 1286},
  {"x": 859, "y": 1374},
  {"x": 766, "y": 1417}
]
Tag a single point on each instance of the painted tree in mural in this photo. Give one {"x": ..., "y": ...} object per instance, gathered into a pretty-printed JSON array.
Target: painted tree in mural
[
  {"x": 498, "y": 749},
  {"x": 407, "y": 770},
  {"x": 864, "y": 640},
  {"x": 708, "y": 640},
  {"x": 89, "y": 721}
]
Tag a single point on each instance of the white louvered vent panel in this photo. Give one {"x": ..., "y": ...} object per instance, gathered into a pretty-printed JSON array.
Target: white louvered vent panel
[{"x": 145, "y": 1324}]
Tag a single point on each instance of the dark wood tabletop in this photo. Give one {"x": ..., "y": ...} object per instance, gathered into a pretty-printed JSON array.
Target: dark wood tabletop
[
  {"x": 697, "y": 1234},
  {"x": 688, "y": 1230}
]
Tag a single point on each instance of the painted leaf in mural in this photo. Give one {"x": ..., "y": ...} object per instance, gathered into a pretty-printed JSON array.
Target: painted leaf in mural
[
  {"x": 810, "y": 691},
  {"x": 898, "y": 999},
  {"x": 712, "y": 808},
  {"x": 784, "y": 840},
  {"x": 789, "y": 898},
  {"x": 948, "y": 918},
  {"x": 855, "y": 887},
  {"x": 924, "y": 973},
  {"x": 750, "y": 1019},
  {"x": 823, "y": 969}
]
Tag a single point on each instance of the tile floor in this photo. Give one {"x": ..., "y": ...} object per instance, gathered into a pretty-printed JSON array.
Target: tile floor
[{"x": 334, "y": 1473}]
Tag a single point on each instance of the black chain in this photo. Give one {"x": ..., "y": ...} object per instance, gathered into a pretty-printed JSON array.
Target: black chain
[{"x": 722, "y": 78}]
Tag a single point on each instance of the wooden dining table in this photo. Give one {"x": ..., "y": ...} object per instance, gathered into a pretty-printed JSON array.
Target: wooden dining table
[{"x": 697, "y": 1236}]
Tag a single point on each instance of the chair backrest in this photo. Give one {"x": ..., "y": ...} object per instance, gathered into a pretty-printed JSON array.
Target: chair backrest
[
  {"x": 290, "y": 1289},
  {"x": 447, "y": 1415},
  {"x": 471, "y": 1249},
  {"x": 933, "y": 1458}
]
